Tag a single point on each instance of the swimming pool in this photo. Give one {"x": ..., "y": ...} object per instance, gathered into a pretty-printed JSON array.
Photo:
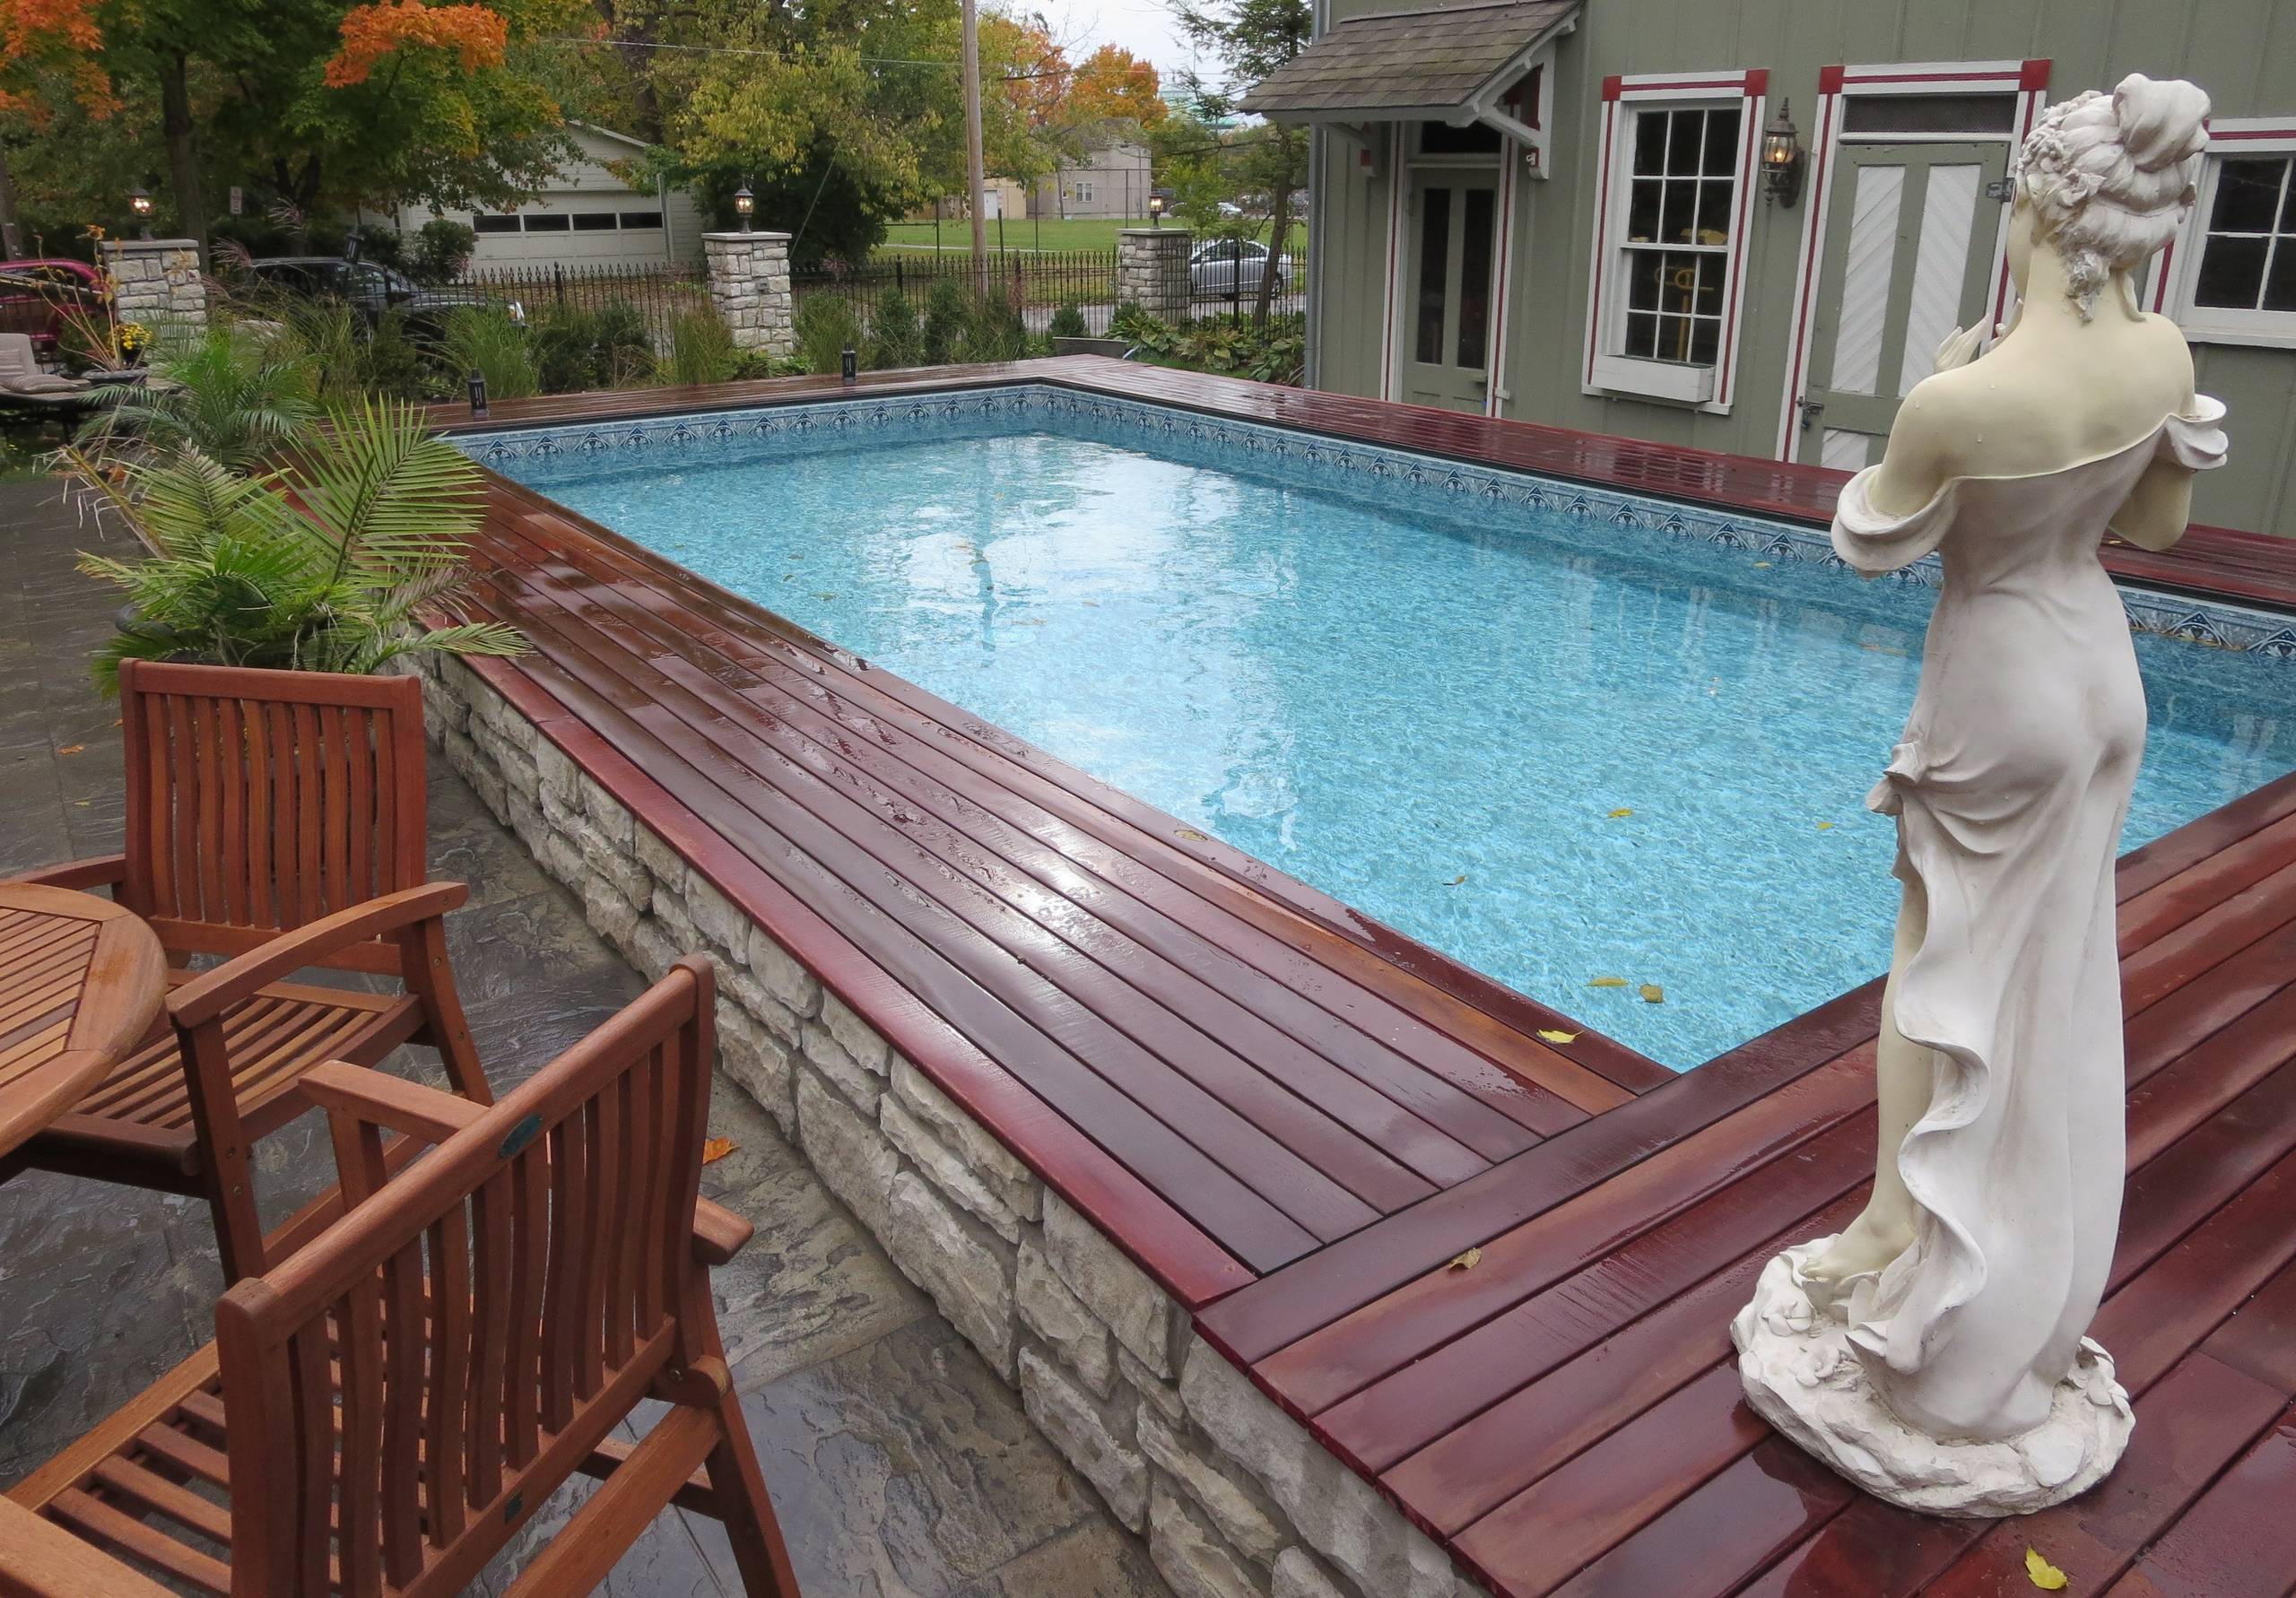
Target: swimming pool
[{"x": 1563, "y": 736}]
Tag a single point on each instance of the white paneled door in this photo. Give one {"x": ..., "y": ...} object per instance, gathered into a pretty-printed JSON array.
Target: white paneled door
[{"x": 1908, "y": 258}]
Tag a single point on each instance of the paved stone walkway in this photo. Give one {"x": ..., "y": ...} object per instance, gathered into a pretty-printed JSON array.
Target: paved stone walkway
[{"x": 900, "y": 1465}]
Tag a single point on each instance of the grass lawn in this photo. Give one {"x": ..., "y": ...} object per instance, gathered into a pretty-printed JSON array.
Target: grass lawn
[{"x": 1051, "y": 233}]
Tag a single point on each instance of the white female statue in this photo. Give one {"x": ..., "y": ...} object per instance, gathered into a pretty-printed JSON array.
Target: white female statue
[{"x": 1934, "y": 1353}]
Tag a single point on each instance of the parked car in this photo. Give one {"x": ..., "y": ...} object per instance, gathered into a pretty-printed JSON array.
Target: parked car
[
  {"x": 371, "y": 289},
  {"x": 36, "y": 296},
  {"x": 1224, "y": 266}
]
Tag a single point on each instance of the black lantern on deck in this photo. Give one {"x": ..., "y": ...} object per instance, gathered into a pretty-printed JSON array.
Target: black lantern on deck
[
  {"x": 140, "y": 203},
  {"x": 478, "y": 394},
  {"x": 851, "y": 365},
  {"x": 744, "y": 202},
  {"x": 1782, "y": 157}
]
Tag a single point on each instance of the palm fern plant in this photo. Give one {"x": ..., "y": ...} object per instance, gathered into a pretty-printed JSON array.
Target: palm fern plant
[
  {"x": 321, "y": 564},
  {"x": 225, "y": 396}
]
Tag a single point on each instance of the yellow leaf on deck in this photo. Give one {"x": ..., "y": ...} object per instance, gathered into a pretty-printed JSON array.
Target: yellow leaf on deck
[
  {"x": 2041, "y": 1572},
  {"x": 1467, "y": 1261},
  {"x": 1652, "y": 993},
  {"x": 1193, "y": 836},
  {"x": 71, "y": 749},
  {"x": 715, "y": 1149},
  {"x": 1623, "y": 810},
  {"x": 1551, "y": 1035},
  {"x": 1606, "y": 982}
]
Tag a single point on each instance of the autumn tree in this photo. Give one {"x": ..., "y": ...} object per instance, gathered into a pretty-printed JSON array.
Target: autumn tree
[{"x": 48, "y": 54}]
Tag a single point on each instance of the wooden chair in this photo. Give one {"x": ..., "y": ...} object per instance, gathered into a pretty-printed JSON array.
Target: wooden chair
[
  {"x": 276, "y": 819},
  {"x": 381, "y": 1412}
]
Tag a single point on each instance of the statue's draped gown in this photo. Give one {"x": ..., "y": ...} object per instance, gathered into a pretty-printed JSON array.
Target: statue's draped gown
[{"x": 2010, "y": 786}]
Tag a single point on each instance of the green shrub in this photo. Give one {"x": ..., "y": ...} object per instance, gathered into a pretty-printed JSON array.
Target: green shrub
[
  {"x": 488, "y": 343},
  {"x": 825, "y": 325},
  {"x": 1149, "y": 334},
  {"x": 565, "y": 342},
  {"x": 994, "y": 330},
  {"x": 625, "y": 346},
  {"x": 946, "y": 313},
  {"x": 895, "y": 337},
  {"x": 702, "y": 348},
  {"x": 229, "y": 395},
  {"x": 1068, "y": 322},
  {"x": 442, "y": 248}
]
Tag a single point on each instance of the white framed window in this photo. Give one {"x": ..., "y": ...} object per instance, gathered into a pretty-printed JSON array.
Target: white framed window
[
  {"x": 1677, "y": 157},
  {"x": 2235, "y": 266}
]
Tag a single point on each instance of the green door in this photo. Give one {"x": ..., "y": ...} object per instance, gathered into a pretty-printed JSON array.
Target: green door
[
  {"x": 1446, "y": 317},
  {"x": 1908, "y": 258}
]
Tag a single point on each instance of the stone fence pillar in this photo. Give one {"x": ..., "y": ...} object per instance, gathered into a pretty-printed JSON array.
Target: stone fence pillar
[
  {"x": 156, "y": 283},
  {"x": 749, "y": 283},
  {"x": 1151, "y": 270}
]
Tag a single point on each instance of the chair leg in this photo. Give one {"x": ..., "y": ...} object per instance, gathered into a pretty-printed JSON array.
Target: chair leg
[
  {"x": 422, "y": 960},
  {"x": 738, "y": 1486},
  {"x": 225, "y": 1176}
]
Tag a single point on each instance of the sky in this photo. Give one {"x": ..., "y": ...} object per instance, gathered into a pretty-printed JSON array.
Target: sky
[{"x": 1144, "y": 27}]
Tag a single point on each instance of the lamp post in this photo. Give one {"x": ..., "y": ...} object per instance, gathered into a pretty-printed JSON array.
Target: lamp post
[
  {"x": 1782, "y": 156},
  {"x": 744, "y": 202},
  {"x": 140, "y": 203},
  {"x": 1156, "y": 207}
]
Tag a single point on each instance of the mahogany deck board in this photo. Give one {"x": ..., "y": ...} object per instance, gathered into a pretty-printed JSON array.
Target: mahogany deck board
[{"x": 1239, "y": 1078}]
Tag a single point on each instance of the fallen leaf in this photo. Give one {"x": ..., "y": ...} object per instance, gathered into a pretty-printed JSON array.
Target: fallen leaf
[
  {"x": 1762, "y": 566},
  {"x": 71, "y": 749},
  {"x": 1652, "y": 993},
  {"x": 1552, "y": 1034},
  {"x": 2043, "y": 1574},
  {"x": 1454, "y": 882},
  {"x": 118, "y": 721},
  {"x": 1193, "y": 836},
  {"x": 1624, "y": 810},
  {"x": 1467, "y": 1261},
  {"x": 1606, "y": 982},
  {"x": 716, "y": 1149}
]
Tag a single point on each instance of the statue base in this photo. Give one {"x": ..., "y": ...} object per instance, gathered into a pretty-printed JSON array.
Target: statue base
[{"x": 1803, "y": 1376}]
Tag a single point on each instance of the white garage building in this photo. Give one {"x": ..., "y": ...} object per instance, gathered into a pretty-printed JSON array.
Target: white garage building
[{"x": 584, "y": 214}]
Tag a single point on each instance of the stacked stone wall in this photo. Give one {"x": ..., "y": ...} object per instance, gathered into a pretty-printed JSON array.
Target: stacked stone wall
[
  {"x": 1151, "y": 270},
  {"x": 156, "y": 283},
  {"x": 749, "y": 283},
  {"x": 1235, "y": 1500}
]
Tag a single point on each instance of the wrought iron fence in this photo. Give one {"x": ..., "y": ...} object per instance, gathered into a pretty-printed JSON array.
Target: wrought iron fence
[
  {"x": 1038, "y": 281},
  {"x": 659, "y": 291}
]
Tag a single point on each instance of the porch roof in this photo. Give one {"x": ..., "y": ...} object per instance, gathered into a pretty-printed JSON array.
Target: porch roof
[{"x": 1423, "y": 62}]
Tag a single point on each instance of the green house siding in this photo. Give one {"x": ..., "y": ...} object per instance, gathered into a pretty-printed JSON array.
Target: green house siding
[{"x": 2243, "y": 52}]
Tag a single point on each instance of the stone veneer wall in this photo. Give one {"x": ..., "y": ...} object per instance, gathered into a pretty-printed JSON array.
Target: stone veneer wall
[
  {"x": 1234, "y": 1496},
  {"x": 155, "y": 281},
  {"x": 1151, "y": 270},
  {"x": 749, "y": 283}
]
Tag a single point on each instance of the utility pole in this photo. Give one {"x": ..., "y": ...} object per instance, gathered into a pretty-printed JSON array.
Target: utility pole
[{"x": 976, "y": 175}]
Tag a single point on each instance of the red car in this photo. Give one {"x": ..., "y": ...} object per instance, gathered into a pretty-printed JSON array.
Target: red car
[{"x": 35, "y": 296}]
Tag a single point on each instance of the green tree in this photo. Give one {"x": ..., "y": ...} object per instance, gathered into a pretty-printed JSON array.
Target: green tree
[{"x": 1251, "y": 39}]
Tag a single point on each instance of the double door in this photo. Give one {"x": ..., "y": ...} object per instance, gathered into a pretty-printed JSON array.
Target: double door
[{"x": 1449, "y": 304}]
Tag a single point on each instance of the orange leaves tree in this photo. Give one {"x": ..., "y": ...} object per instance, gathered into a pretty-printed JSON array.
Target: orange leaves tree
[{"x": 50, "y": 54}]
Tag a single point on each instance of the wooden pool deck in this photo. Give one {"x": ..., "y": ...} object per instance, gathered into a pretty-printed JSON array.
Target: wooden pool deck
[{"x": 1296, "y": 1119}]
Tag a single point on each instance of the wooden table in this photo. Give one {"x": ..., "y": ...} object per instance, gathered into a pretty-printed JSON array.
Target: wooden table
[{"x": 80, "y": 981}]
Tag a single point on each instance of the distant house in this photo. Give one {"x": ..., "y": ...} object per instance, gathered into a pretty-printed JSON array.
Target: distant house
[
  {"x": 1564, "y": 212},
  {"x": 1108, "y": 179},
  {"x": 584, "y": 213}
]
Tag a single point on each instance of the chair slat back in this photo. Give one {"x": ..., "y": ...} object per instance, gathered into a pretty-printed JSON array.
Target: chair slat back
[
  {"x": 406, "y": 1388},
  {"x": 260, "y": 800}
]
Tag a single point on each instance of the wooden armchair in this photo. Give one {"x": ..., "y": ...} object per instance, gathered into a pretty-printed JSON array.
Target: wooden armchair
[
  {"x": 276, "y": 820},
  {"x": 381, "y": 1412}
]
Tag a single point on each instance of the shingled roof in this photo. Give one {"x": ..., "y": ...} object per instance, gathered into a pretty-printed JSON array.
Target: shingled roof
[{"x": 1405, "y": 60}]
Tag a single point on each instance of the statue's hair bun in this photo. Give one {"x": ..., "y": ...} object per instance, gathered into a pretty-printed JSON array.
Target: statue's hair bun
[
  {"x": 2161, "y": 123},
  {"x": 2111, "y": 177}
]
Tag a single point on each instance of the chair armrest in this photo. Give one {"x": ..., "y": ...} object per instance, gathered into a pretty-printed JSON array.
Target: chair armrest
[
  {"x": 44, "y": 1560},
  {"x": 718, "y": 1233},
  {"x": 210, "y": 994},
  {"x": 390, "y": 1102},
  {"x": 397, "y": 1105},
  {"x": 100, "y": 871}
]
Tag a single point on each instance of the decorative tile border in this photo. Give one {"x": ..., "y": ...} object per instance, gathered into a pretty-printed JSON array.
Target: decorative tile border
[{"x": 536, "y": 455}]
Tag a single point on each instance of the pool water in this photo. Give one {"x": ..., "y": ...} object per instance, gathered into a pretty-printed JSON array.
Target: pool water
[{"x": 1563, "y": 753}]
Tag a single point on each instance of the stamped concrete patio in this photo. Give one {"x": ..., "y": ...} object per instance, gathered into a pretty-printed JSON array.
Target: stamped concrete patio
[{"x": 900, "y": 1462}]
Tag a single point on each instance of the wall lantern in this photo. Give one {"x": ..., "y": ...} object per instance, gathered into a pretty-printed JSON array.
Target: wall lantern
[
  {"x": 1159, "y": 202},
  {"x": 140, "y": 203},
  {"x": 1782, "y": 156},
  {"x": 744, "y": 202}
]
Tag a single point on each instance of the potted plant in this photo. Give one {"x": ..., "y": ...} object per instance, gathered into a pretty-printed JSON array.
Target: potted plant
[{"x": 341, "y": 558}]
